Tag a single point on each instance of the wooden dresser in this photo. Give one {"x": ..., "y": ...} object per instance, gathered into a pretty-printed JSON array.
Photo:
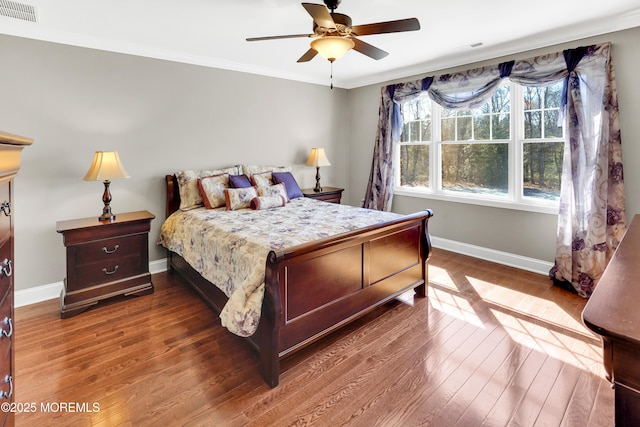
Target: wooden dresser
[
  {"x": 105, "y": 259},
  {"x": 613, "y": 312},
  {"x": 10, "y": 148}
]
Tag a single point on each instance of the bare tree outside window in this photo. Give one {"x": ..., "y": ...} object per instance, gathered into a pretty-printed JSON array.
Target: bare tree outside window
[{"x": 471, "y": 149}]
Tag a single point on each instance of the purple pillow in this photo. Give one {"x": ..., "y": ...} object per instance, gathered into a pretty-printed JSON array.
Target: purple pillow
[
  {"x": 239, "y": 181},
  {"x": 286, "y": 178}
]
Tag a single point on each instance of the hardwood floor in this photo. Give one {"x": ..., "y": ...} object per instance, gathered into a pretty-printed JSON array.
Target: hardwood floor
[{"x": 492, "y": 345}]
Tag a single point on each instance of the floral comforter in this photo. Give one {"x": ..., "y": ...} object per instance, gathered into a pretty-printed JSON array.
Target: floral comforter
[{"x": 230, "y": 248}]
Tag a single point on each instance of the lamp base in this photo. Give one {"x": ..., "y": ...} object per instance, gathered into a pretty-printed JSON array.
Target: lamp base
[
  {"x": 106, "y": 199},
  {"x": 317, "y": 188},
  {"x": 107, "y": 216}
]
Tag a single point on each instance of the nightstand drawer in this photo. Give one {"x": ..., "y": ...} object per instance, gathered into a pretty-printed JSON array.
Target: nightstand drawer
[
  {"x": 105, "y": 271},
  {"x": 109, "y": 250}
]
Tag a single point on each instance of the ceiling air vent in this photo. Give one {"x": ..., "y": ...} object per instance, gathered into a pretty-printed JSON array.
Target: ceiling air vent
[{"x": 13, "y": 9}]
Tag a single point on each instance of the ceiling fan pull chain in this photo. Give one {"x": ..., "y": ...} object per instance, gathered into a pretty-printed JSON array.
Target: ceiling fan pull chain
[{"x": 331, "y": 75}]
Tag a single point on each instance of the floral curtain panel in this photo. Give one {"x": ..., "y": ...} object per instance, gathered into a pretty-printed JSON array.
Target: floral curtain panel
[{"x": 592, "y": 218}]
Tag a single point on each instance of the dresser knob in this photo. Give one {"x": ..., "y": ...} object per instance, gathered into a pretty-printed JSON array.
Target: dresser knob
[
  {"x": 5, "y": 207},
  {"x": 7, "y": 380},
  {"x": 107, "y": 251},
  {"x": 110, "y": 272},
  {"x": 7, "y": 321},
  {"x": 5, "y": 268}
]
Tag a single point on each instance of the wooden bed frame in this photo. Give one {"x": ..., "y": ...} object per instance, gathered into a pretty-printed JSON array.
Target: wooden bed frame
[{"x": 315, "y": 288}]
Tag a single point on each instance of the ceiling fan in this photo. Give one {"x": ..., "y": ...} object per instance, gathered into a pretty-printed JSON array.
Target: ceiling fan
[{"x": 334, "y": 35}]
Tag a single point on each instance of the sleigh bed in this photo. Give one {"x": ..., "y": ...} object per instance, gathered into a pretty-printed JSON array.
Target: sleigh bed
[{"x": 314, "y": 288}]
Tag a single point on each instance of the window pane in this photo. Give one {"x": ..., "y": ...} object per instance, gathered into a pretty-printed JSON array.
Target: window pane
[
  {"x": 542, "y": 169},
  {"x": 501, "y": 126},
  {"x": 482, "y": 127},
  {"x": 448, "y": 129},
  {"x": 426, "y": 130},
  {"x": 551, "y": 128},
  {"x": 501, "y": 100},
  {"x": 552, "y": 95},
  {"x": 532, "y": 124},
  {"x": 414, "y": 165},
  {"x": 464, "y": 128},
  {"x": 406, "y": 131},
  {"x": 532, "y": 98},
  {"x": 476, "y": 168}
]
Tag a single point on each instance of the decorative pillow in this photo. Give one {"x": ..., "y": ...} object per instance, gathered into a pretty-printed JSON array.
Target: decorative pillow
[
  {"x": 262, "y": 179},
  {"x": 273, "y": 190},
  {"x": 253, "y": 169},
  {"x": 239, "y": 181},
  {"x": 268, "y": 202},
  {"x": 239, "y": 198},
  {"x": 286, "y": 178},
  {"x": 188, "y": 185},
  {"x": 212, "y": 190}
]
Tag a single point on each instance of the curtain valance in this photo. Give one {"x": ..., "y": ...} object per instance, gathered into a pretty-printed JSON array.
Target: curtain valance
[{"x": 592, "y": 216}]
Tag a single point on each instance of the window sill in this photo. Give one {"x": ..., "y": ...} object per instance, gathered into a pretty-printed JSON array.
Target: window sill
[{"x": 550, "y": 208}]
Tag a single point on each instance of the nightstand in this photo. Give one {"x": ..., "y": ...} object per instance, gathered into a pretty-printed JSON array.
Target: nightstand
[
  {"x": 105, "y": 259},
  {"x": 328, "y": 194}
]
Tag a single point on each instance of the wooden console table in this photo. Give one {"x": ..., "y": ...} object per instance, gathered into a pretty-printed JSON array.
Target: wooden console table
[{"x": 613, "y": 312}]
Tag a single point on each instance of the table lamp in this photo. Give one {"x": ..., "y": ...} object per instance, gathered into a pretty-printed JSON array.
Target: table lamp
[
  {"x": 317, "y": 158},
  {"x": 105, "y": 167}
]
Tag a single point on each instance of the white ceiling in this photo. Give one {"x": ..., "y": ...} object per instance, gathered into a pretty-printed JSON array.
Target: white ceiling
[{"x": 213, "y": 32}]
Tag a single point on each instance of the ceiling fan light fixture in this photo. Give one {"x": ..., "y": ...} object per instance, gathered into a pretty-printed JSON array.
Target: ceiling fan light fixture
[{"x": 332, "y": 47}]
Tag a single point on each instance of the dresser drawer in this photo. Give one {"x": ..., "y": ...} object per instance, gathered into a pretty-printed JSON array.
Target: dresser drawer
[
  {"x": 6, "y": 270},
  {"x": 6, "y": 324},
  {"x": 108, "y": 250},
  {"x": 5, "y": 210}
]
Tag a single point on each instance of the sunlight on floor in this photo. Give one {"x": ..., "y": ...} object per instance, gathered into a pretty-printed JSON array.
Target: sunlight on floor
[
  {"x": 529, "y": 320},
  {"x": 454, "y": 306}
]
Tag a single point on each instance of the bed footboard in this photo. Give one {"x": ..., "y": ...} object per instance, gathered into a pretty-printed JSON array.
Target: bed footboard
[{"x": 313, "y": 289}]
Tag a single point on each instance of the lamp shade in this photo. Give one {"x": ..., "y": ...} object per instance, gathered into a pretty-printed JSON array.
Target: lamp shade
[
  {"x": 332, "y": 47},
  {"x": 318, "y": 158},
  {"x": 106, "y": 165}
]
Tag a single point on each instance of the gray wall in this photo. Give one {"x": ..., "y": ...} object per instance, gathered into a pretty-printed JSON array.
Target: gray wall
[
  {"x": 513, "y": 231},
  {"x": 160, "y": 116},
  {"x": 163, "y": 116}
]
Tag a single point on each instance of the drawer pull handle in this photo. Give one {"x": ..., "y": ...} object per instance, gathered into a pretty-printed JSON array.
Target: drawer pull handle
[
  {"x": 107, "y": 251},
  {"x": 7, "y": 321},
  {"x": 6, "y": 208},
  {"x": 110, "y": 272},
  {"x": 7, "y": 380},
  {"x": 5, "y": 268}
]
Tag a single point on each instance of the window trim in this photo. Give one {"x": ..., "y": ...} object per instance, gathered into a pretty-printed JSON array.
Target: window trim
[{"x": 514, "y": 199}]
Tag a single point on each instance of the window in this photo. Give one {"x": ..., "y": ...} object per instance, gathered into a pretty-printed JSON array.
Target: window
[
  {"x": 507, "y": 151},
  {"x": 416, "y": 139},
  {"x": 542, "y": 142}
]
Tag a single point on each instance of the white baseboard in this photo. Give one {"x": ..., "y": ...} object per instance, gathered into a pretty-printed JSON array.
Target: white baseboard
[
  {"x": 52, "y": 290},
  {"x": 499, "y": 257}
]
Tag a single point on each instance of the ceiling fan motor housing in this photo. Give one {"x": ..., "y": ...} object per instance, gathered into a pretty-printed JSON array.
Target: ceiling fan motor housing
[
  {"x": 343, "y": 26},
  {"x": 332, "y": 4}
]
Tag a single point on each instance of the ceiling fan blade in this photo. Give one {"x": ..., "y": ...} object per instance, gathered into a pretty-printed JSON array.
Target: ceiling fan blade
[
  {"x": 369, "y": 50},
  {"x": 409, "y": 24},
  {"x": 320, "y": 15},
  {"x": 290, "y": 36},
  {"x": 308, "y": 56}
]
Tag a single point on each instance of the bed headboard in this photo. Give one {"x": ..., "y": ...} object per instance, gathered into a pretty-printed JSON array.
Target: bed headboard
[{"x": 173, "y": 195}]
